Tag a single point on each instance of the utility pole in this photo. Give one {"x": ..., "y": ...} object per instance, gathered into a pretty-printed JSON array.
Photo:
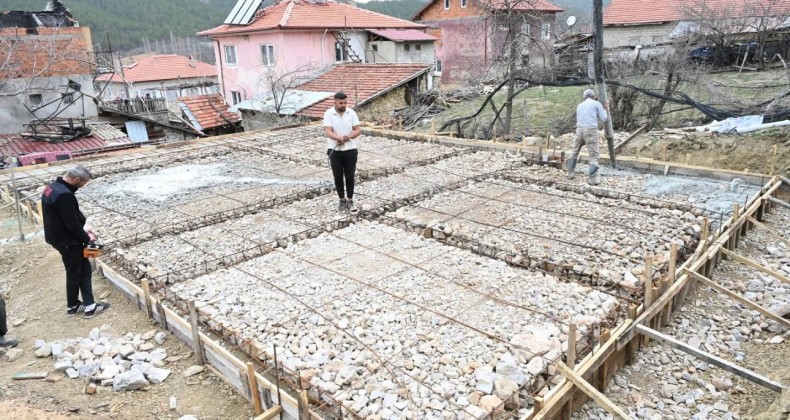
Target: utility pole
[{"x": 599, "y": 83}]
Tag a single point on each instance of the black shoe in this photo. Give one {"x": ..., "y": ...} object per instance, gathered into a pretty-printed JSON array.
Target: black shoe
[
  {"x": 342, "y": 206},
  {"x": 75, "y": 310},
  {"x": 99, "y": 308},
  {"x": 6, "y": 342},
  {"x": 350, "y": 206}
]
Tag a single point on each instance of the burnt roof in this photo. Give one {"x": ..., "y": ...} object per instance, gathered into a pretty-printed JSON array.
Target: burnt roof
[{"x": 56, "y": 15}]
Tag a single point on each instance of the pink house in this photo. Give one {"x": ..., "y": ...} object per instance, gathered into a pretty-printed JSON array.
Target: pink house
[{"x": 294, "y": 41}]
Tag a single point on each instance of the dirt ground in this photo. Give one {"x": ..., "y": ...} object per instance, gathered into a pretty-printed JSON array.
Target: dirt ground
[
  {"x": 752, "y": 152},
  {"x": 32, "y": 275}
]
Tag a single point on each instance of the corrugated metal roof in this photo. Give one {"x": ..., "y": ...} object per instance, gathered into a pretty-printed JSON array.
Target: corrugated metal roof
[
  {"x": 15, "y": 145},
  {"x": 137, "y": 131},
  {"x": 106, "y": 132},
  {"x": 294, "y": 101},
  {"x": 401, "y": 35}
]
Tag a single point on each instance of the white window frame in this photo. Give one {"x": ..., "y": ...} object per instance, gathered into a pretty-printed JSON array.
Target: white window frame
[
  {"x": 267, "y": 55},
  {"x": 235, "y": 97},
  {"x": 526, "y": 29},
  {"x": 343, "y": 53},
  {"x": 545, "y": 31},
  {"x": 227, "y": 48},
  {"x": 463, "y": 4},
  {"x": 437, "y": 66},
  {"x": 36, "y": 99},
  {"x": 446, "y": 4}
]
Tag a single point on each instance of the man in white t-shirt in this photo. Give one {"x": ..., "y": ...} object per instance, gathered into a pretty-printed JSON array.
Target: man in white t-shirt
[{"x": 341, "y": 126}]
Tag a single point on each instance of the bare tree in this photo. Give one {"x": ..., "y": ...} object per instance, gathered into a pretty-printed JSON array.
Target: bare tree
[
  {"x": 278, "y": 85},
  {"x": 27, "y": 58}
]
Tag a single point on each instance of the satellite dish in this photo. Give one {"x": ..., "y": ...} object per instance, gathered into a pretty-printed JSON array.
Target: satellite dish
[{"x": 571, "y": 20}]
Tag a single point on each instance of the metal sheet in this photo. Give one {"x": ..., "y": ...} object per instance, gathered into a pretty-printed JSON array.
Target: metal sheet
[
  {"x": 243, "y": 12},
  {"x": 235, "y": 11},
  {"x": 136, "y": 131}
]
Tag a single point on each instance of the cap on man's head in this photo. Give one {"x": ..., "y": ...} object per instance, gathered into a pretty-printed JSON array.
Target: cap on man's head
[
  {"x": 340, "y": 95},
  {"x": 588, "y": 93}
]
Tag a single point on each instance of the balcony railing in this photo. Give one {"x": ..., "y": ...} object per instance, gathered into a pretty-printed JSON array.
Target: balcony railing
[{"x": 136, "y": 106}]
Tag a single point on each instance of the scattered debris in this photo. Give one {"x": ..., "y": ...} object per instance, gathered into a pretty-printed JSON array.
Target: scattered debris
[{"x": 193, "y": 370}]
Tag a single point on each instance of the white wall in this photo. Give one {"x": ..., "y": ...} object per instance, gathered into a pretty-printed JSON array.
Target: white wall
[{"x": 13, "y": 114}]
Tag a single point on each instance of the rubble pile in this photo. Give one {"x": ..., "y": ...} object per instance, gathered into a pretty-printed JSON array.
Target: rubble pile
[{"x": 125, "y": 363}]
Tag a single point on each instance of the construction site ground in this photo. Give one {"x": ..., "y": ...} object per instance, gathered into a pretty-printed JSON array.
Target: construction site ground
[
  {"x": 451, "y": 293},
  {"x": 32, "y": 275}
]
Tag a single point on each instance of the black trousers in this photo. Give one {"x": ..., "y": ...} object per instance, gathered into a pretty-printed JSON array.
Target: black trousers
[
  {"x": 344, "y": 167},
  {"x": 3, "y": 325},
  {"x": 78, "y": 276}
]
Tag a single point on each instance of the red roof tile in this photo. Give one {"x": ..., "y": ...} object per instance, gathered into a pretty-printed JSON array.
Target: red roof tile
[
  {"x": 401, "y": 35},
  {"x": 299, "y": 14},
  {"x": 209, "y": 110},
  {"x": 15, "y": 145},
  {"x": 630, "y": 12},
  {"x": 361, "y": 82},
  {"x": 533, "y": 5},
  {"x": 163, "y": 67}
]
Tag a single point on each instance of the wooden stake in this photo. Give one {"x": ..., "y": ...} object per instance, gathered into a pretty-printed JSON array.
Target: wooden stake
[
  {"x": 711, "y": 359},
  {"x": 591, "y": 392},
  {"x": 650, "y": 291},
  {"x": 304, "y": 408},
  {"x": 197, "y": 345},
  {"x": 603, "y": 370},
  {"x": 254, "y": 393},
  {"x": 705, "y": 229},
  {"x": 739, "y": 298},
  {"x": 673, "y": 261},
  {"x": 147, "y": 295},
  {"x": 664, "y": 152},
  {"x": 743, "y": 260},
  {"x": 571, "y": 359},
  {"x": 630, "y": 350},
  {"x": 773, "y": 161},
  {"x": 433, "y": 126}
]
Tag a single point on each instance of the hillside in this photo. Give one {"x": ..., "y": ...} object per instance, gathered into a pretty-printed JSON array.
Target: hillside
[
  {"x": 403, "y": 9},
  {"x": 130, "y": 22}
]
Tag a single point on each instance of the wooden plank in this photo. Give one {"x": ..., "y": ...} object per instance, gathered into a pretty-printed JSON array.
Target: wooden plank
[
  {"x": 740, "y": 298},
  {"x": 270, "y": 413},
  {"x": 768, "y": 229},
  {"x": 254, "y": 393},
  {"x": 711, "y": 359},
  {"x": 304, "y": 406},
  {"x": 197, "y": 345},
  {"x": 591, "y": 392},
  {"x": 650, "y": 295},
  {"x": 743, "y": 260}
]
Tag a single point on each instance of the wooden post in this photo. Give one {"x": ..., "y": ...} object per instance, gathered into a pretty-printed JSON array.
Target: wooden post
[
  {"x": 591, "y": 392},
  {"x": 772, "y": 171},
  {"x": 400, "y": 123},
  {"x": 630, "y": 349},
  {"x": 664, "y": 152},
  {"x": 571, "y": 359},
  {"x": 637, "y": 153},
  {"x": 538, "y": 405},
  {"x": 433, "y": 126},
  {"x": 16, "y": 206},
  {"x": 599, "y": 82},
  {"x": 254, "y": 393},
  {"x": 197, "y": 345},
  {"x": 603, "y": 370},
  {"x": 736, "y": 213},
  {"x": 147, "y": 295},
  {"x": 649, "y": 289},
  {"x": 304, "y": 407}
]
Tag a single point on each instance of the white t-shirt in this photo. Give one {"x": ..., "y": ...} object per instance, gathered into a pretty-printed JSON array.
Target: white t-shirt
[{"x": 342, "y": 126}]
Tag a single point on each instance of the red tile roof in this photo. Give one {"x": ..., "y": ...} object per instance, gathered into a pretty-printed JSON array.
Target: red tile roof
[
  {"x": 163, "y": 67},
  {"x": 401, "y": 35},
  {"x": 15, "y": 145},
  {"x": 361, "y": 82},
  {"x": 630, "y": 12},
  {"x": 533, "y": 5},
  {"x": 299, "y": 14},
  {"x": 209, "y": 110}
]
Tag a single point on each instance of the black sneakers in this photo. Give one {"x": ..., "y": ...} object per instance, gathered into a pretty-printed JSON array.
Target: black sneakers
[
  {"x": 7, "y": 342},
  {"x": 97, "y": 309},
  {"x": 75, "y": 310}
]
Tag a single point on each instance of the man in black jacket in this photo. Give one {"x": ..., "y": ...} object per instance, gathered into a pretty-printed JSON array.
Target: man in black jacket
[{"x": 64, "y": 229}]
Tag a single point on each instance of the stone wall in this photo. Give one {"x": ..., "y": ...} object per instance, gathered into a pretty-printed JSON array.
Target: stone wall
[{"x": 618, "y": 36}]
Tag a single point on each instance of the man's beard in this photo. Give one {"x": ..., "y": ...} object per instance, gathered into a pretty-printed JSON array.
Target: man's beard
[{"x": 340, "y": 108}]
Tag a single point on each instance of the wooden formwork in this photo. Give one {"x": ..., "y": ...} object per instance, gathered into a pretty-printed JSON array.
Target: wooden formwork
[{"x": 618, "y": 346}]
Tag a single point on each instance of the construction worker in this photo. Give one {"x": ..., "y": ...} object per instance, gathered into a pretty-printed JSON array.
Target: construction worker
[
  {"x": 341, "y": 126},
  {"x": 5, "y": 342},
  {"x": 588, "y": 114},
  {"x": 64, "y": 229}
]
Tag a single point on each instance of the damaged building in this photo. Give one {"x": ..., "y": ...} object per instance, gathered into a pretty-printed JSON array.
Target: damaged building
[{"x": 45, "y": 69}]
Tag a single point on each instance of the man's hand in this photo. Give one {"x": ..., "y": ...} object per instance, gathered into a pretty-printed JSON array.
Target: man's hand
[
  {"x": 606, "y": 105},
  {"x": 91, "y": 234}
]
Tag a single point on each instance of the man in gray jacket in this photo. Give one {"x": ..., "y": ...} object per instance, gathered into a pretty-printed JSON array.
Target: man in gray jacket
[{"x": 588, "y": 114}]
